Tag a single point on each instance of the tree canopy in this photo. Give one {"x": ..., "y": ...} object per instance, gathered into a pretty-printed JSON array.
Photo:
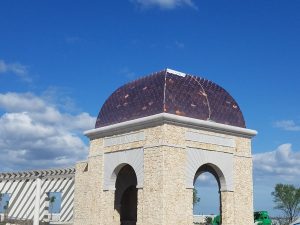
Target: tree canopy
[
  {"x": 287, "y": 199},
  {"x": 196, "y": 199}
]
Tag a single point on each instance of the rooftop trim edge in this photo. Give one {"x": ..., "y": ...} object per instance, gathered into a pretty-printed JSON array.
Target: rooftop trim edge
[{"x": 161, "y": 118}]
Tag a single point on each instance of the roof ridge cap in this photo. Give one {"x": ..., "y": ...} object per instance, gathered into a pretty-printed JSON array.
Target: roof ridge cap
[{"x": 165, "y": 87}]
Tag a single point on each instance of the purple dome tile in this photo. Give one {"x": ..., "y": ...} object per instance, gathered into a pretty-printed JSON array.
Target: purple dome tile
[{"x": 164, "y": 91}]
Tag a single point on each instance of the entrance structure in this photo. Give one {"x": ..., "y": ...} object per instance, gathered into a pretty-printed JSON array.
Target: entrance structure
[{"x": 152, "y": 137}]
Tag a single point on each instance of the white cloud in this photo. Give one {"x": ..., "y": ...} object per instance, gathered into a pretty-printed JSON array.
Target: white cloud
[
  {"x": 15, "y": 102},
  {"x": 15, "y": 68},
  {"x": 280, "y": 165},
  {"x": 37, "y": 134},
  {"x": 206, "y": 179},
  {"x": 288, "y": 125},
  {"x": 165, "y": 4}
]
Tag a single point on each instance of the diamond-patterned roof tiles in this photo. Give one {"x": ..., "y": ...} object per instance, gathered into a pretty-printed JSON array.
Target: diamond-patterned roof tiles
[{"x": 164, "y": 91}]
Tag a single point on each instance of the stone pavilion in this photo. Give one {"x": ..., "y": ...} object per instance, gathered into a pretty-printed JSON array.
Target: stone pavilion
[{"x": 153, "y": 137}]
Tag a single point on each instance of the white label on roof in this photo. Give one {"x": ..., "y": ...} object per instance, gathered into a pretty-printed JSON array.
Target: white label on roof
[{"x": 176, "y": 72}]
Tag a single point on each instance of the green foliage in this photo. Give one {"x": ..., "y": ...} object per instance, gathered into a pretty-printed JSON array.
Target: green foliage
[
  {"x": 287, "y": 199},
  {"x": 196, "y": 199},
  {"x": 6, "y": 205},
  {"x": 208, "y": 220},
  {"x": 52, "y": 199}
]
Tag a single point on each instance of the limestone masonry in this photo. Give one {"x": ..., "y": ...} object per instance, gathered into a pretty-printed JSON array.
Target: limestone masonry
[{"x": 166, "y": 129}]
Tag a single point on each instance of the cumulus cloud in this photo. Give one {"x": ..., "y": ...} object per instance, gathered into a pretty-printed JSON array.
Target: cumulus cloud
[
  {"x": 14, "y": 68},
  {"x": 165, "y": 4},
  {"x": 37, "y": 134},
  {"x": 280, "y": 165},
  {"x": 289, "y": 125},
  {"x": 206, "y": 179}
]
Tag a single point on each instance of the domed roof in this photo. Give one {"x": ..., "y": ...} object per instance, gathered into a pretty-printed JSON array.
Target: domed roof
[{"x": 173, "y": 92}]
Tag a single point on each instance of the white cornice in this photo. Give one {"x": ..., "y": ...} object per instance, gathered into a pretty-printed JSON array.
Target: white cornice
[{"x": 162, "y": 118}]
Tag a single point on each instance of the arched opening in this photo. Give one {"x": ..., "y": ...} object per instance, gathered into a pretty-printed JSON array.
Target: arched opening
[
  {"x": 207, "y": 195},
  {"x": 126, "y": 195}
]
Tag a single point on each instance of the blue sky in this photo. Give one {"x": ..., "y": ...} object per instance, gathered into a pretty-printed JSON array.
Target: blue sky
[
  {"x": 55, "y": 206},
  {"x": 3, "y": 202},
  {"x": 60, "y": 60}
]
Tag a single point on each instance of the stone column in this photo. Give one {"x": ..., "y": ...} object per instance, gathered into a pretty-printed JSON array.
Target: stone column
[
  {"x": 227, "y": 207},
  {"x": 140, "y": 207},
  {"x": 153, "y": 183},
  {"x": 190, "y": 208},
  {"x": 243, "y": 190},
  {"x": 110, "y": 215},
  {"x": 82, "y": 199}
]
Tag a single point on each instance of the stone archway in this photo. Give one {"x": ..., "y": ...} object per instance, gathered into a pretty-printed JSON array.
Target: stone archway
[
  {"x": 218, "y": 176},
  {"x": 115, "y": 161},
  {"x": 213, "y": 169},
  {"x": 126, "y": 195},
  {"x": 220, "y": 165}
]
